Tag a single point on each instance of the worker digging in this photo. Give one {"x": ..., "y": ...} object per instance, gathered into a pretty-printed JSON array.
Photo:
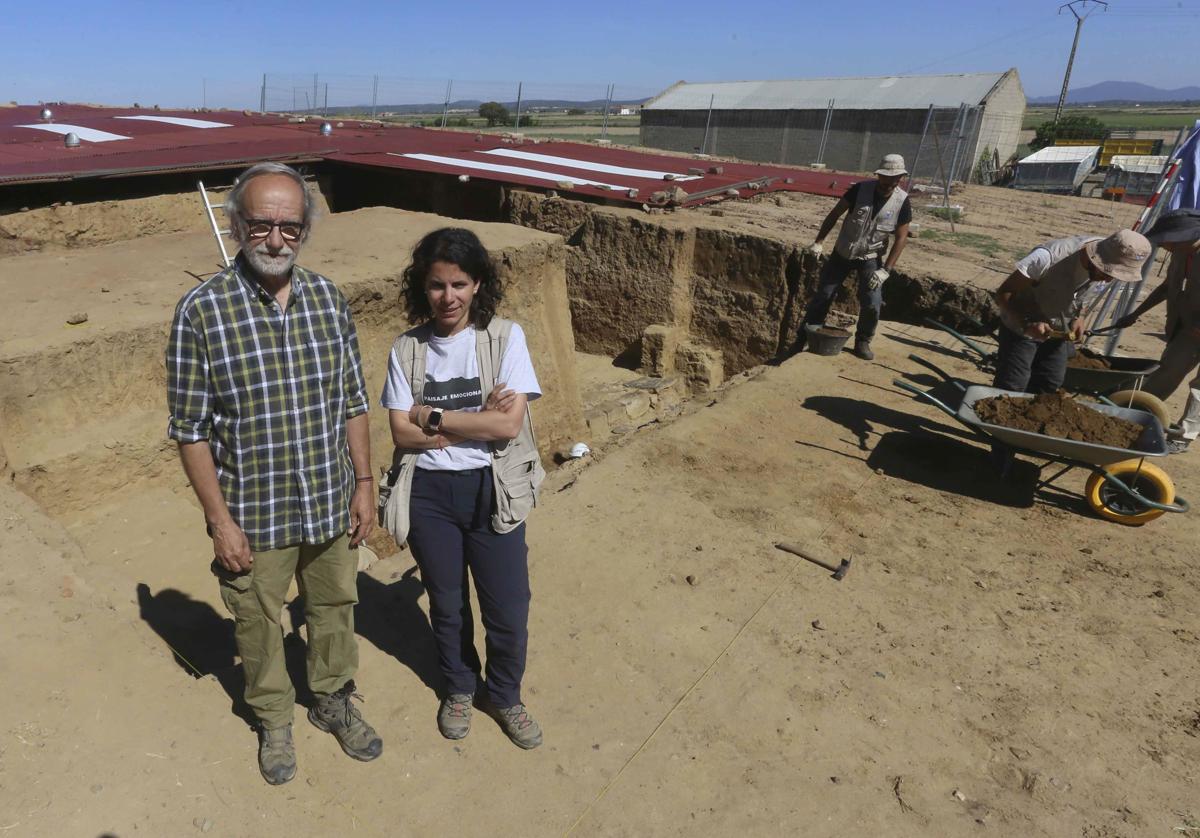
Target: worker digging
[{"x": 879, "y": 211}]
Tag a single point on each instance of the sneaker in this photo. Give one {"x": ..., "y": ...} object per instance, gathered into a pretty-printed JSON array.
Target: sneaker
[
  {"x": 1177, "y": 446},
  {"x": 862, "y": 348},
  {"x": 335, "y": 714},
  {"x": 276, "y": 754},
  {"x": 521, "y": 727},
  {"x": 454, "y": 715}
]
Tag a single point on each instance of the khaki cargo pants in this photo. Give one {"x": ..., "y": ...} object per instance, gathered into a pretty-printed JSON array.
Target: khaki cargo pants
[{"x": 327, "y": 575}]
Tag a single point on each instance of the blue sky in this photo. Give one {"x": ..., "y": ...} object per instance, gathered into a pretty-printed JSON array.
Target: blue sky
[{"x": 122, "y": 51}]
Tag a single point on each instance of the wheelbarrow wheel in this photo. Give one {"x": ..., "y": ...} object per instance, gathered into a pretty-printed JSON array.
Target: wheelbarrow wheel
[
  {"x": 1141, "y": 400},
  {"x": 1114, "y": 504}
]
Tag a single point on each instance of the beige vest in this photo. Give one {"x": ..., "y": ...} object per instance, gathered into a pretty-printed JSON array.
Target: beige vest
[
  {"x": 517, "y": 471},
  {"x": 864, "y": 235},
  {"x": 1052, "y": 297}
]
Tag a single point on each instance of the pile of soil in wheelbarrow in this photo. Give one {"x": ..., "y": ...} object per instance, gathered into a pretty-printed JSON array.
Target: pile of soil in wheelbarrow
[
  {"x": 1088, "y": 361},
  {"x": 1058, "y": 415}
]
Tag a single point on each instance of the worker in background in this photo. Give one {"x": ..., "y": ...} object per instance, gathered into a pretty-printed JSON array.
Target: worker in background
[
  {"x": 1042, "y": 302},
  {"x": 878, "y": 210},
  {"x": 1177, "y": 232}
]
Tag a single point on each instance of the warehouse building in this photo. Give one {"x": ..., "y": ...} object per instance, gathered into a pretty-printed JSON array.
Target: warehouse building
[{"x": 944, "y": 123}]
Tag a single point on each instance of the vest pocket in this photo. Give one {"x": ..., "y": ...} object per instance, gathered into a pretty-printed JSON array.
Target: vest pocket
[{"x": 516, "y": 495}]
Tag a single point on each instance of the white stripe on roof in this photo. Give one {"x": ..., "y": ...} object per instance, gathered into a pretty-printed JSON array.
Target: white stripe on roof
[
  {"x": 91, "y": 135},
  {"x": 179, "y": 120},
  {"x": 587, "y": 165},
  {"x": 520, "y": 171}
]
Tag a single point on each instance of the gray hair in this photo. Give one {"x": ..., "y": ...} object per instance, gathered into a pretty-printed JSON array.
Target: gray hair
[{"x": 233, "y": 201}]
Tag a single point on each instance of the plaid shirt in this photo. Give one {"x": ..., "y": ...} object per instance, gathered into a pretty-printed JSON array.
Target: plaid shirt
[{"x": 271, "y": 392}]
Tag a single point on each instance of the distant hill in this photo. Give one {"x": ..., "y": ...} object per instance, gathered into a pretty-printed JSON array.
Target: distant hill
[
  {"x": 1121, "y": 92},
  {"x": 472, "y": 105}
]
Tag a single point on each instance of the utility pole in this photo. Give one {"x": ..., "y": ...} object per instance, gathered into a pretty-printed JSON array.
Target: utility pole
[{"x": 1079, "y": 19}]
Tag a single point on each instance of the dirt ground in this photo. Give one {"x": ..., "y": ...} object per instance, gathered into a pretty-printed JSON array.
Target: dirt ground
[
  {"x": 997, "y": 659},
  {"x": 998, "y": 226}
]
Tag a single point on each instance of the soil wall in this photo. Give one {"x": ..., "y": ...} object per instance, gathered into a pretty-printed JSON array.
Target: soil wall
[
  {"x": 741, "y": 293},
  {"x": 82, "y": 409}
]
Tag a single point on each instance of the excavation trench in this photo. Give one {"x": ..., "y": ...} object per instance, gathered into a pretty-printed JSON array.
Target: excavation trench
[{"x": 676, "y": 295}]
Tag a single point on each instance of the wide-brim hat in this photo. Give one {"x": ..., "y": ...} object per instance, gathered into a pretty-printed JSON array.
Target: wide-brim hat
[
  {"x": 1181, "y": 225},
  {"x": 892, "y": 165},
  {"x": 1120, "y": 256}
]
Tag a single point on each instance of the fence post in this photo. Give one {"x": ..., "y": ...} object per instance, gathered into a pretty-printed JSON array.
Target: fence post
[
  {"x": 937, "y": 148},
  {"x": 707, "y": 125},
  {"x": 912, "y": 173},
  {"x": 961, "y": 124},
  {"x": 262, "y": 98},
  {"x": 608, "y": 94},
  {"x": 783, "y": 141},
  {"x": 446, "y": 104},
  {"x": 825, "y": 133},
  {"x": 374, "y": 95},
  {"x": 517, "y": 124}
]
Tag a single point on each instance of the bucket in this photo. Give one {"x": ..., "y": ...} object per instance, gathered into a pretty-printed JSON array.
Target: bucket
[{"x": 826, "y": 340}]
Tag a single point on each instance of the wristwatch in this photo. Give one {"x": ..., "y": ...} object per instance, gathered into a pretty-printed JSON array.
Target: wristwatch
[{"x": 435, "y": 418}]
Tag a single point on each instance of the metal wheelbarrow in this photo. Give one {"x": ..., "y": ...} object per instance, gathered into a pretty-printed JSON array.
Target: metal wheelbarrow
[
  {"x": 1119, "y": 384},
  {"x": 1123, "y": 486}
]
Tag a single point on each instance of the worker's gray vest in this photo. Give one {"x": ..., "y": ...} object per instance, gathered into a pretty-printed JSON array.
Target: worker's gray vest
[
  {"x": 864, "y": 235},
  {"x": 1051, "y": 297},
  {"x": 517, "y": 471},
  {"x": 1060, "y": 249}
]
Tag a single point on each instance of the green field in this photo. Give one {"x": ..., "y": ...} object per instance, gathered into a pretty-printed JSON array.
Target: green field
[{"x": 1146, "y": 119}]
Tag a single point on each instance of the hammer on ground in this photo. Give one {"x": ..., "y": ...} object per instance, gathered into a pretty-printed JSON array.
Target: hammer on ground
[{"x": 838, "y": 571}]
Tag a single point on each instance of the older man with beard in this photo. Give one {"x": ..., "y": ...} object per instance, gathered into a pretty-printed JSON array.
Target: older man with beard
[{"x": 268, "y": 404}]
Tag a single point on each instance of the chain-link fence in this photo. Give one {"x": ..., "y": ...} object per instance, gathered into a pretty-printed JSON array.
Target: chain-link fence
[
  {"x": 562, "y": 109},
  {"x": 939, "y": 144}
]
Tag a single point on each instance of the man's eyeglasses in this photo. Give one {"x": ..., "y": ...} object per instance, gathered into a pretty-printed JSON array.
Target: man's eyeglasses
[{"x": 261, "y": 228}]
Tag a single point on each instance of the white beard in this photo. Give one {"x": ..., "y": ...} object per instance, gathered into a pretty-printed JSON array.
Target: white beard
[{"x": 270, "y": 266}]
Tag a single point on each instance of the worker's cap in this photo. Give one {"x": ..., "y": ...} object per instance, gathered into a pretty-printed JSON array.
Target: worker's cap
[
  {"x": 892, "y": 165},
  {"x": 1120, "y": 256},
  {"x": 1181, "y": 225}
]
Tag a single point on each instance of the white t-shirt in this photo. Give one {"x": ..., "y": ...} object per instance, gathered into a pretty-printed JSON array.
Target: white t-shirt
[{"x": 452, "y": 383}]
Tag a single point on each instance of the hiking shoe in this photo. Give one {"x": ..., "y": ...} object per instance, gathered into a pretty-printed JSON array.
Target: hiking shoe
[
  {"x": 521, "y": 727},
  {"x": 276, "y": 754},
  {"x": 335, "y": 714},
  {"x": 454, "y": 715},
  {"x": 862, "y": 348}
]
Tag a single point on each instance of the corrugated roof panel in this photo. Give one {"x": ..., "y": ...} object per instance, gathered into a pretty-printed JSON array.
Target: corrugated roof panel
[
  {"x": 90, "y": 135},
  {"x": 182, "y": 121},
  {"x": 865, "y": 93}
]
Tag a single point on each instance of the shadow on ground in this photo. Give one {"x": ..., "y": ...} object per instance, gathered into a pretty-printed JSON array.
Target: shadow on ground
[
  {"x": 389, "y": 615},
  {"x": 950, "y": 465},
  {"x": 200, "y": 640},
  {"x": 927, "y": 452}
]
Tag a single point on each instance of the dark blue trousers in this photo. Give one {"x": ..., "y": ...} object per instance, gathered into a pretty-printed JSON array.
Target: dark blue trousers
[
  {"x": 1029, "y": 366},
  {"x": 833, "y": 275},
  {"x": 452, "y": 540}
]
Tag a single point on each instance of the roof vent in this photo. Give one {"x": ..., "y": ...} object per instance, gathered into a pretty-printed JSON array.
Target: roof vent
[
  {"x": 326, "y": 129},
  {"x": 47, "y": 114},
  {"x": 71, "y": 140}
]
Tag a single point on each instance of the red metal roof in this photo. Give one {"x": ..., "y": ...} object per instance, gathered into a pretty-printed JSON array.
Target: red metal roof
[{"x": 617, "y": 174}]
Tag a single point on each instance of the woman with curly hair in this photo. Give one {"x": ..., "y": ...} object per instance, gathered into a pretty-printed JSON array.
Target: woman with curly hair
[{"x": 457, "y": 392}]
